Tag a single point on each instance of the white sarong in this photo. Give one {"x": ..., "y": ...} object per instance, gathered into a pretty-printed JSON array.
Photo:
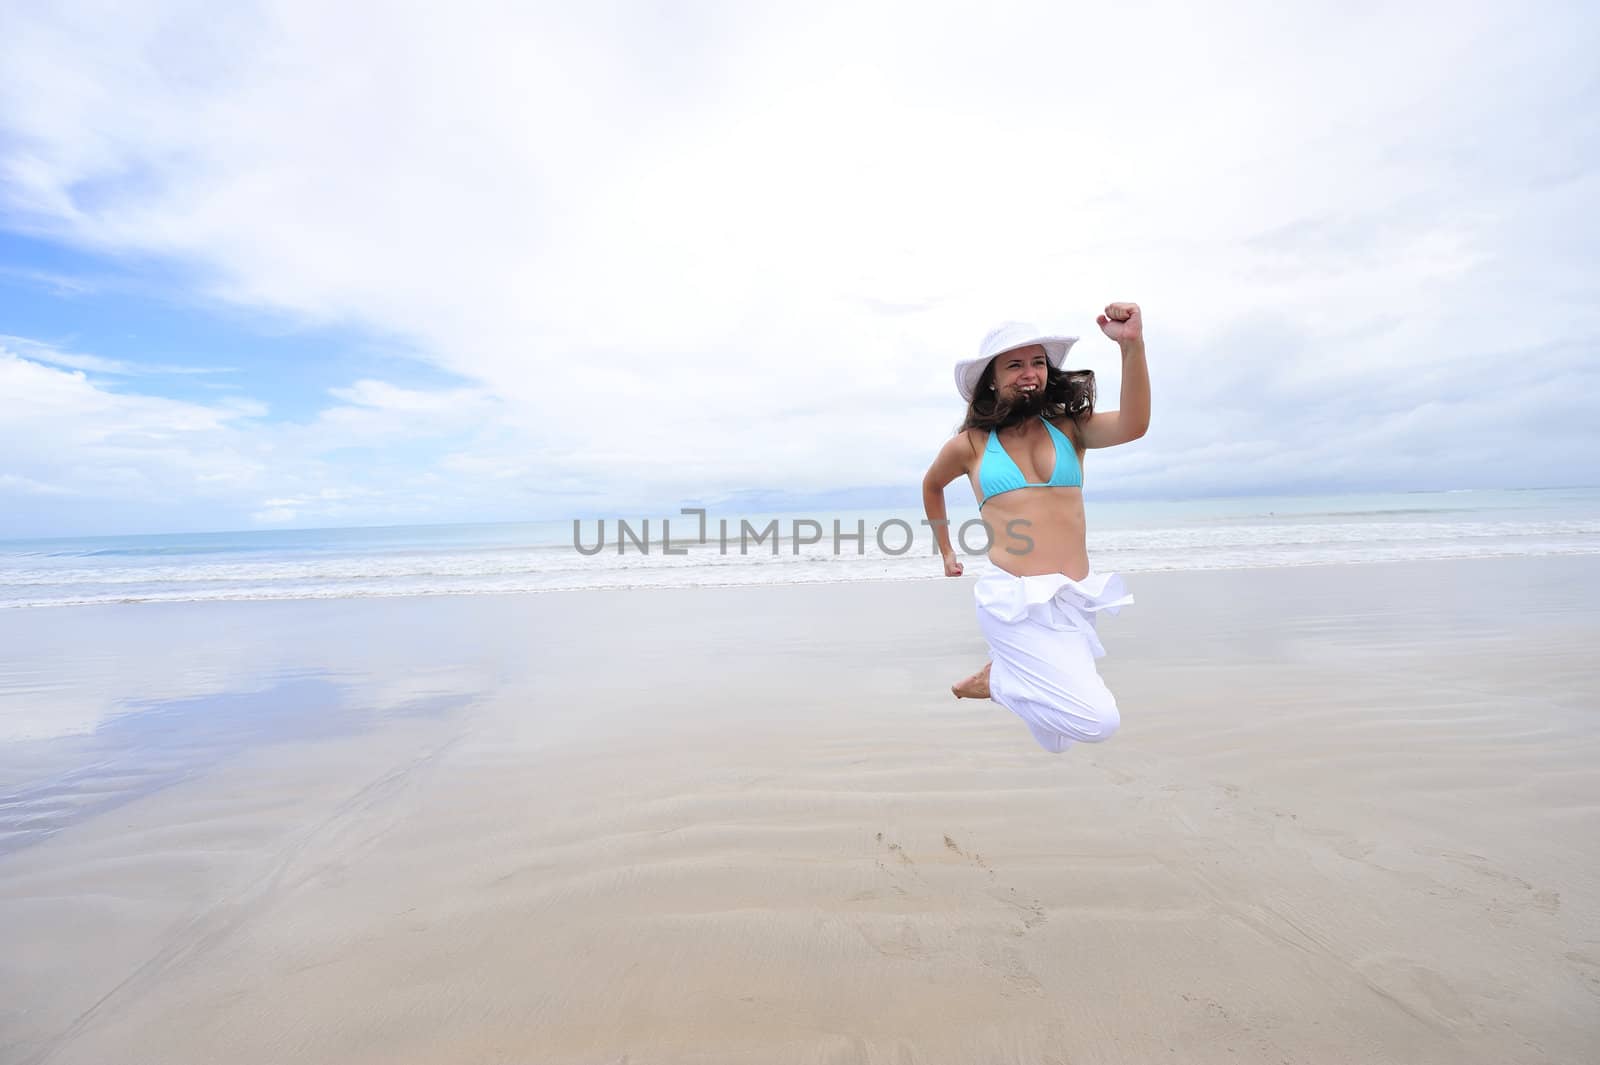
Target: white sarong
[{"x": 1043, "y": 646}]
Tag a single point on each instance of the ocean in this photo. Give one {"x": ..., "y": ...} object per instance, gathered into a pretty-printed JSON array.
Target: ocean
[{"x": 799, "y": 547}]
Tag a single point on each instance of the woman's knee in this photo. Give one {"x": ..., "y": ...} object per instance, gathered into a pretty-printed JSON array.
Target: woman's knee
[
  {"x": 1097, "y": 715},
  {"x": 1106, "y": 717},
  {"x": 1086, "y": 717}
]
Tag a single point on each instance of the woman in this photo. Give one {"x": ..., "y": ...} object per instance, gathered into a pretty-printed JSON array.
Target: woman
[{"x": 1028, "y": 425}]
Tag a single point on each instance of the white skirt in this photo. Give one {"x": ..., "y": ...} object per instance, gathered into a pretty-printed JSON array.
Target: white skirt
[{"x": 1043, "y": 645}]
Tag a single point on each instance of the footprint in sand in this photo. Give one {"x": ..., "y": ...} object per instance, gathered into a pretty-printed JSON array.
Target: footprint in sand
[
  {"x": 1032, "y": 912},
  {"x": 1415, "y": 987},
  {"x": 1588, "y": 966},
  {"x": 1009, "y": 966},
  {"x": 975, "y": 858},
  {"x": 1544, "y": 901},
  {"x": 904, "y": 942},
  {"x": 903, "y": 859}
]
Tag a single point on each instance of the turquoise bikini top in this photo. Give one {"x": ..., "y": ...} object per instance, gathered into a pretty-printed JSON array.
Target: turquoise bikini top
[{"x": 997, "y": 472}]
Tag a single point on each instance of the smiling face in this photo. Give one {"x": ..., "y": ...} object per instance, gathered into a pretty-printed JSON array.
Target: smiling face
[
  {"x": 1021, "y": 374},
  {"x": 1021, "y": 385}
]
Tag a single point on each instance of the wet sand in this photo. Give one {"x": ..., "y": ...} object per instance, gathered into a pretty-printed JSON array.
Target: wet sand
[{"x": 1349, "y": 818}]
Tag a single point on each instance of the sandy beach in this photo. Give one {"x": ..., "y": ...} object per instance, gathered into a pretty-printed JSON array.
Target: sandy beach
[{"x": 1344, "y": 821}]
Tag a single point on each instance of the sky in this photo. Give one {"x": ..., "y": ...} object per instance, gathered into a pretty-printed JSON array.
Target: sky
[{"x": 301, "y": 265}]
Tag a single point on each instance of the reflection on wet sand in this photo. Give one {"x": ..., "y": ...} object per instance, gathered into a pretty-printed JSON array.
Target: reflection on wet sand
[
  {"x": 153, "y": 745},
  {"x": 100, "y": 706}
]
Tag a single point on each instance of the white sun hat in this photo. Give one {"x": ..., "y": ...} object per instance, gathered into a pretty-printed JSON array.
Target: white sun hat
[{"x": 1008, "y": 336}]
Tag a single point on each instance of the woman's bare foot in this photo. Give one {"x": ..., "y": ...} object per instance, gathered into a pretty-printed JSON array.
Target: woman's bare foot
[{"x": 975, "y": 686}]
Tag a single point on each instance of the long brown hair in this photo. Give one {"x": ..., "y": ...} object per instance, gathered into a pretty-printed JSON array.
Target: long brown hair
[{"x": 1067, "y": 393}]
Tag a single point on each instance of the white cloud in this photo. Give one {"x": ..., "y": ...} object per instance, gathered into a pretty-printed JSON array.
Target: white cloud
[
  {"x": 13, "y": 484},
  {"x": 729, "y": 246},
  {"x": 72, "y": 441},
  {"x": 69, "y": 437},
  {"x": 42, "y": 352}
]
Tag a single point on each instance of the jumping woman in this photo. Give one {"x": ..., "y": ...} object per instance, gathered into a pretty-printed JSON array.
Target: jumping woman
[{"x": 1028, "y": 425}]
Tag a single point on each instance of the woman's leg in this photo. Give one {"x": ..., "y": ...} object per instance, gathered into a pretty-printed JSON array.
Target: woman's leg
[
  {"x": 1048, "y": 678},
  {"x": 975, "y": 686}
]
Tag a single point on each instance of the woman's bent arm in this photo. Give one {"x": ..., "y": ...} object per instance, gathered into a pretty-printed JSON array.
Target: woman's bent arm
[{"x": 950, "y": 464}]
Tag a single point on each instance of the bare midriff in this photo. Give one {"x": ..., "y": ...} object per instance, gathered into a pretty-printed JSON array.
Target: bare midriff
[{"x": 1050, "y": 517}]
